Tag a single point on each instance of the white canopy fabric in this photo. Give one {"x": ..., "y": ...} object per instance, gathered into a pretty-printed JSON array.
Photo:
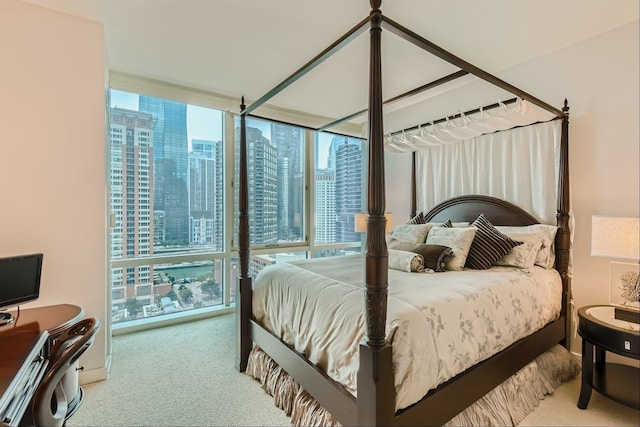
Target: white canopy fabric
[
  {"x": 518, "y": 165},
  {"x": 522, "y": 113}
]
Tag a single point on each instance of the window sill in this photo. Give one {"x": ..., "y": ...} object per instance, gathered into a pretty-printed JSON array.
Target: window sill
[{"x": 170, "y": 319}]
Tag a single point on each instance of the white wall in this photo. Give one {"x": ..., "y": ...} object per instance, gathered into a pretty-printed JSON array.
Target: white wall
[
  {"x": 52, "y": 156},
  {"x": 599, "y": 77}
]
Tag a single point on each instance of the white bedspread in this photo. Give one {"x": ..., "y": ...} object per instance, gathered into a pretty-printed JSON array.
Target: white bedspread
[{"x": 439, "y": 324}]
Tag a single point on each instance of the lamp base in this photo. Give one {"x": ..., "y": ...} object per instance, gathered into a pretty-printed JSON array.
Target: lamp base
[{"x": 627, "y": 314}]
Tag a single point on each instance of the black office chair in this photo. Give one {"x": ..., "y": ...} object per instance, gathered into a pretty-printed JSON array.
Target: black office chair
[{"x": 49, "y": 404}]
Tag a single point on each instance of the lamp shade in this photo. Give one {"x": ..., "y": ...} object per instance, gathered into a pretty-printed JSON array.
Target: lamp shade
[
  {"x": 360, "y": 222},
  {"x": 389, "y": 227},
  {"x": 615, "y": 237}
]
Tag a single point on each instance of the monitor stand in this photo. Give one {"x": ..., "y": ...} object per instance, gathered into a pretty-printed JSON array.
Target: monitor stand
[{"x": 5, "y": 318}]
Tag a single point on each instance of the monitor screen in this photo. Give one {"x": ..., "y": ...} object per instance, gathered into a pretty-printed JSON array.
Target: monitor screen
[{"x": 19, "y": 279}]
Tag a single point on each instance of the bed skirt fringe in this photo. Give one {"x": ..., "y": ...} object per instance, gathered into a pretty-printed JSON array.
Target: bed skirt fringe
[{"x": 506, "y": 405}]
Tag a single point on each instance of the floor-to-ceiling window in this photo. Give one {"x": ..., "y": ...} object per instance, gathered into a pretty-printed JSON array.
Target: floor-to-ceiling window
[
  {"x": 173, "y": 202},
  {"x": 338, "y": 193},
  {"x": 166, "y": 206}
]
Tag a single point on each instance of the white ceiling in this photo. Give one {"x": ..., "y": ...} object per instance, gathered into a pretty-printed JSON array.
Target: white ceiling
[{"x": 237, "y": 48}]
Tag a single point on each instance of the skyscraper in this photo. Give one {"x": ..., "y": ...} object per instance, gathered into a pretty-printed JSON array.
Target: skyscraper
[
  {"x": 131, "y": 200},
  {"x": 170, "y": 162},
  {"x": 325, "y": 212},
  {"x": 289, "y": 142},
  {"x": 346, "y": 157},
  {"x": 206, "y": 193},
  {"x": 263, "y": 187}
]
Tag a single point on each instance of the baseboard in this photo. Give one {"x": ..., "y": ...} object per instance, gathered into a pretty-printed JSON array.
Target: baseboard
[{"x": 95, "y": 375}]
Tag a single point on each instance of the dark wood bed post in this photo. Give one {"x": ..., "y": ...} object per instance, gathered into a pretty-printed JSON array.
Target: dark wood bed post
[
  {"x": 243, "y": 283},
  {"x": 414, "y": 184},
  {"x": 563, "y": 236},
  {"x": 376, "y": 392}
]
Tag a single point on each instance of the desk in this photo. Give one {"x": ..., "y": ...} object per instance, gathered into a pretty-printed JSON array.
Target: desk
[
  {"x": 601, "y": 331},
  {"x": 26, "y": 344}
]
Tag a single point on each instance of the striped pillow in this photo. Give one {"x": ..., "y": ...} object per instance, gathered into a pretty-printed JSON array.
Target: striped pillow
[
  {"x": 489, "y": 245},
  {"x": 447, "y": 224},
  {"x": 418, "y": 219}
]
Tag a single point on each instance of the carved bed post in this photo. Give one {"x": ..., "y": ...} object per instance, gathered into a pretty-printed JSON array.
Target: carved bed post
[
  {"x": 376, "y": 393},
  {"x": 414, "y": 186},
  {"x": 563, "y": 237},
  {"x": 243, "y": 283}
]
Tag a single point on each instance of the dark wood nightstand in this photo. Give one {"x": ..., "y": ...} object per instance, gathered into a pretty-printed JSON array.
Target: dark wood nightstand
[{"x": 598, "y": 328}]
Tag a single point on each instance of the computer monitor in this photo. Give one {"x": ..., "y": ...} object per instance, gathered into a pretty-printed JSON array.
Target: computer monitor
[{"x": 19, "y": 282}]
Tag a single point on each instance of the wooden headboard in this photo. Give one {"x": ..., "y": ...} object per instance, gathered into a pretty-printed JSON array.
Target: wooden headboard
[{"x": 469, "y": 207}]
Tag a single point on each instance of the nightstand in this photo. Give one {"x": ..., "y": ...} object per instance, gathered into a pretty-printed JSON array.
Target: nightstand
[{"x": 601, "y": 331}]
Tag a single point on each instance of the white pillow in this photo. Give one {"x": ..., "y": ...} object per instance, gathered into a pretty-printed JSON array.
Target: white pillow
[
  {"x": 524, "y": 255},
  {"x": 405, "y": 261},
  {"x": 459, "y": 239},
  {"x": 414, "y": 233},
  {"x": 461, "y": 224},
  {"x": 546, "y": 256}
]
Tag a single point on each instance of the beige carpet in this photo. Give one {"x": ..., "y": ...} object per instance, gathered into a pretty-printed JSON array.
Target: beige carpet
[{"x": 183, "y": 375}]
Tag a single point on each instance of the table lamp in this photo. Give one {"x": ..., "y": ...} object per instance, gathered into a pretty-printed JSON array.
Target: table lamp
[
  {"x": 360, "y": 222},
  {"x": 618, "y": 237}
]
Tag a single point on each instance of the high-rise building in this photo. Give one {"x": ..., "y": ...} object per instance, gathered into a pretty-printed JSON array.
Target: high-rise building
[
  {"x": 346, "y": 158},
  {"x": 289, "y": 141},
  {"x": 325, "y": 210},
  {"x": 262, "y": 165},
  {"x": 284, "y": 179},
  {"x": 170, "y": 163},
  {"x": 206, "y": 193},
  {"x": 131, "y": 202}
]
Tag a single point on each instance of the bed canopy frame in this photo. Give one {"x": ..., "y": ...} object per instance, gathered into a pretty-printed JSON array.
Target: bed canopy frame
[{"x": 375, "y": 402}]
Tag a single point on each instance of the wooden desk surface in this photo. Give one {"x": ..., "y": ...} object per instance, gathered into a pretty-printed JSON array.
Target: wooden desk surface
[{"x": 52, "y": 318}]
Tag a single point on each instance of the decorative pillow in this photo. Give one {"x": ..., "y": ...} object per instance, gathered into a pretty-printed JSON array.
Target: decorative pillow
[
  {"x": 418, "y": 219},
  {"x": 546, "y": 256},
  {"x": 458, "y": 239},
  {"x": 489, "y": 245},
  {"x": 524, "y": 255},
  {"x": 416, "y": 233},
  {"x": 405, "y": 261},
  {"x": 461, "y": 224},
  {"x": 450, "y": 224},
  {"x": 435, "y": 256}
]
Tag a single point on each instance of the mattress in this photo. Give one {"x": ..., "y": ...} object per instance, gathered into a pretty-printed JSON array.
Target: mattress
[{"x": 439, "y": 324}]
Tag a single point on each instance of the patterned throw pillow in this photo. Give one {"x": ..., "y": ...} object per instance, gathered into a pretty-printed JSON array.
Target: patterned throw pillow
[
  {"x": 489, "y": 245},
  {"x": 416, "y": 233},
  {"x": 459, "y": 239},
  {"x": 524, "y": 255},
  {"x": 405, "y": 261},
  {"x": 546, "y": 256},
  {"x": 435, "y": 256}
]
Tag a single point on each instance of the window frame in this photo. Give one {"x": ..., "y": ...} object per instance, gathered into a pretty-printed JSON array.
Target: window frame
[{"x": 229, "y": 253}]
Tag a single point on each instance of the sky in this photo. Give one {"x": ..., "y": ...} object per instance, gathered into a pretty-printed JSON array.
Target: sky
[
  {"x": 206, "y": 123},
  {"x": 202, "y": 123}
]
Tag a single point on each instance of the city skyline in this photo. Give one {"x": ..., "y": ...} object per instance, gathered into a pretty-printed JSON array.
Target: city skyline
[
  {"x": 167, "y": 196},
  {"x": 206, "y": 123}
]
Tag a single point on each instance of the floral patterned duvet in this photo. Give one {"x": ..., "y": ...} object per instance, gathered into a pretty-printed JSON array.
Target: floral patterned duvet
[{"x": 439, "y": 324}]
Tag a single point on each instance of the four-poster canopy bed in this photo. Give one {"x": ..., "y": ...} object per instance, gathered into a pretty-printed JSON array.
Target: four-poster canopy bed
[{"x": 374, "y": 400}]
